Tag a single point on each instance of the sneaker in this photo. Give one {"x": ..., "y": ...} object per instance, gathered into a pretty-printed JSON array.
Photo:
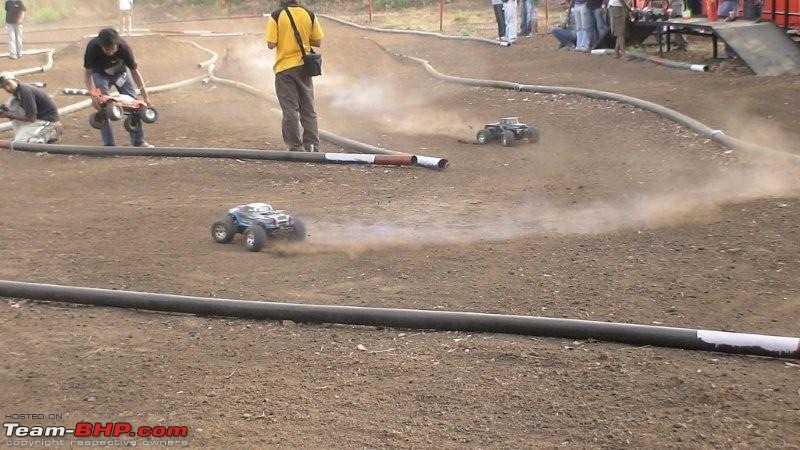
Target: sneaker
[
  {"x": 144, "y": 144},
  {"x": 296, "y": 149},
  {"x": 312, "y": 148},
  {"x": 14, "y": 56}
]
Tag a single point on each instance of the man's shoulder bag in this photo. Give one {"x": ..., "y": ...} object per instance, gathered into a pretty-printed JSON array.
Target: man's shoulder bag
[{"x": 312, "y": 62}]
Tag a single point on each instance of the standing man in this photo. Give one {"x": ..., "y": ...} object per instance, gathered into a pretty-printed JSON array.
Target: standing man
[
  {"x": 618, "y": 13},
  {"x": 584, "y": 24},
  {"x": 126, "y": 12},
  {"x": 530, "y": 17},
  {"x": 109, "y": 61},
  {"x": 510, "y": 9},
  {"x": 600, "y": 26},
  {"x": 500, "y": 17},
  {"x": 32, "y": 112},
  {"x": 295, "y": 88},
  {"x": 15, "y": 13}
]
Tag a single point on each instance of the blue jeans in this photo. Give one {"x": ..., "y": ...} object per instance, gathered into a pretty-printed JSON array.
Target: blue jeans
[
  {"x": 527, "y": 15},
  {"x": 104, "y": 83},
  {"x": 584, "y": 24},
  {"x": 566, "y": 37},
  {"x": 601, "y": 25}
]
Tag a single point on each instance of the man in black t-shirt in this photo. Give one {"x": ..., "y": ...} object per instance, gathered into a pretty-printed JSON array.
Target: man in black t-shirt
[
  {"x": 15, "y": 13},
  {"x": 109, "y": 61},
  {"x": 32, "y": 112}
]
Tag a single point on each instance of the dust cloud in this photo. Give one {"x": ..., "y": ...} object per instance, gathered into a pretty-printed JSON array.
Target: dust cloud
[
  {"x": 702, "y": 202},
  {"x": 397, "y": 110},
  {"x": 403, "y": 111},
  {"x": 416, "y": 112}
]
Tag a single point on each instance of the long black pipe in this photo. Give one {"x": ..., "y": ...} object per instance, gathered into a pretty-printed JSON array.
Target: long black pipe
[
  {"x": 231, "y": 153},
  {"x": 684, "y": 338}
]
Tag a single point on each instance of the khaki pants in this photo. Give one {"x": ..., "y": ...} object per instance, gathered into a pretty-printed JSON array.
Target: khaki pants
[
  {"x": 295, "y": 91},
  {"x": 14, "y": 39}
]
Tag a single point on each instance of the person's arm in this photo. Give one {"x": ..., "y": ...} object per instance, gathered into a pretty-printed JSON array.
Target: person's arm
[
  {"x": 271, "y": 35},
  {"x": 87, "y": 79},
  {"x": 89, "y": 83},
  {"x": 28, "y": 104},
  {"x": 20, "y": 118},
  {"x": 127, "y": 56},
  {"x": 315, "y": 40},
  {"x": 627, "y": 7},
  {"x": 137, "y": 78},
  {"x": 21, "y": 14}
]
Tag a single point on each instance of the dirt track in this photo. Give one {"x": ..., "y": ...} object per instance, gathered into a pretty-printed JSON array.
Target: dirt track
[{"x": 615, "y": 215}]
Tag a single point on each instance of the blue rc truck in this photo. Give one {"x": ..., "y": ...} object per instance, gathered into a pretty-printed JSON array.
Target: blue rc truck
[{"x": 257, "y": 222}]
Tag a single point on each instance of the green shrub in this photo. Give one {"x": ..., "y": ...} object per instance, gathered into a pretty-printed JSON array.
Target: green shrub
[
  {"x": 200, "y": 2},
  {"x": 46, "y": 14},
  {"x": 460, "y": 16},
  {"x": 397, "y": 4},
  {"x": 468, "y": 31}
]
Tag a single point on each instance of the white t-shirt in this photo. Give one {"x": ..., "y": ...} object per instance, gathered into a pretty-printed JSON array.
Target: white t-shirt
[{"x": 125, "y": 5}]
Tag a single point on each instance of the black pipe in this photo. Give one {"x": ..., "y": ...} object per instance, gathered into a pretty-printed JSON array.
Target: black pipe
[
  {"x": 684, "y": 338},
  {"x": 231, "y": 153}
]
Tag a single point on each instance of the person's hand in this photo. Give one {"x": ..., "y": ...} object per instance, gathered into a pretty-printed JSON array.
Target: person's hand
[{"x": 96, "y": 102}]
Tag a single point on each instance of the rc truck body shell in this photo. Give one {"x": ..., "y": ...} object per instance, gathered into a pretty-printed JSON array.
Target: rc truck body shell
[
  {"x": 507, "y": 130},
  {"x": 258, "y": 222},
  {"x": 116, "y": 107}
]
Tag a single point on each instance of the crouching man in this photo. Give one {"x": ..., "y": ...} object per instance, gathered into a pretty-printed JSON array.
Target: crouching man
[{"x": 33, "y": 113}]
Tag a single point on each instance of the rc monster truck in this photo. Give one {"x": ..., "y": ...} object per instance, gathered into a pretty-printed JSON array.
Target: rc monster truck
[
  {"x": 508, "y": 130},
  {"x": 258, "y": 223},
  {"x": 119, "y": 106}
]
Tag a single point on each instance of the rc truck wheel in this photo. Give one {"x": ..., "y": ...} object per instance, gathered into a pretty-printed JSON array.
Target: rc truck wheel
[
  {"x": 148, "y": 115},
  {"x": 299, "y": 231},
  {"x": 254, "y": 238},
  {"x": 132, "y": 124},
  {"x": 114, "y": 111},
  {"x": 484, "y": 137},
  {"x": 533, "y": 135},
  {"x": 223, "y": 230},
  {"x": 97, "y": 120},
  {"x": 507, "y": 139}
]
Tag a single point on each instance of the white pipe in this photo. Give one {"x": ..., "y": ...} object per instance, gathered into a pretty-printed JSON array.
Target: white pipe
[{"x": 47, "y": 66}]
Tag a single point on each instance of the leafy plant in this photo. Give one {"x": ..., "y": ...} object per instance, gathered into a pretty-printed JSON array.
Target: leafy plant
[
  {"x": 200, "y": 2},
  {"x": 47, "y": 14},
  {"x": 460, "y": 16},
  {"x": 468, "y": 31}
]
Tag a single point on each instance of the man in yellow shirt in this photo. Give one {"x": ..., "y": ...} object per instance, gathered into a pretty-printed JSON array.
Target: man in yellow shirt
[{"x": 294, "y": 88}]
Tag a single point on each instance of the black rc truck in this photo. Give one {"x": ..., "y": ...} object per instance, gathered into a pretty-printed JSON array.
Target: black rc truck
[{"x": 508, "y": 130}]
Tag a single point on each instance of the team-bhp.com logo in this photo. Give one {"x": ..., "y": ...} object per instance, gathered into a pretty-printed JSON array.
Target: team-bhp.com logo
[{"x": 97, "y": 429}]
